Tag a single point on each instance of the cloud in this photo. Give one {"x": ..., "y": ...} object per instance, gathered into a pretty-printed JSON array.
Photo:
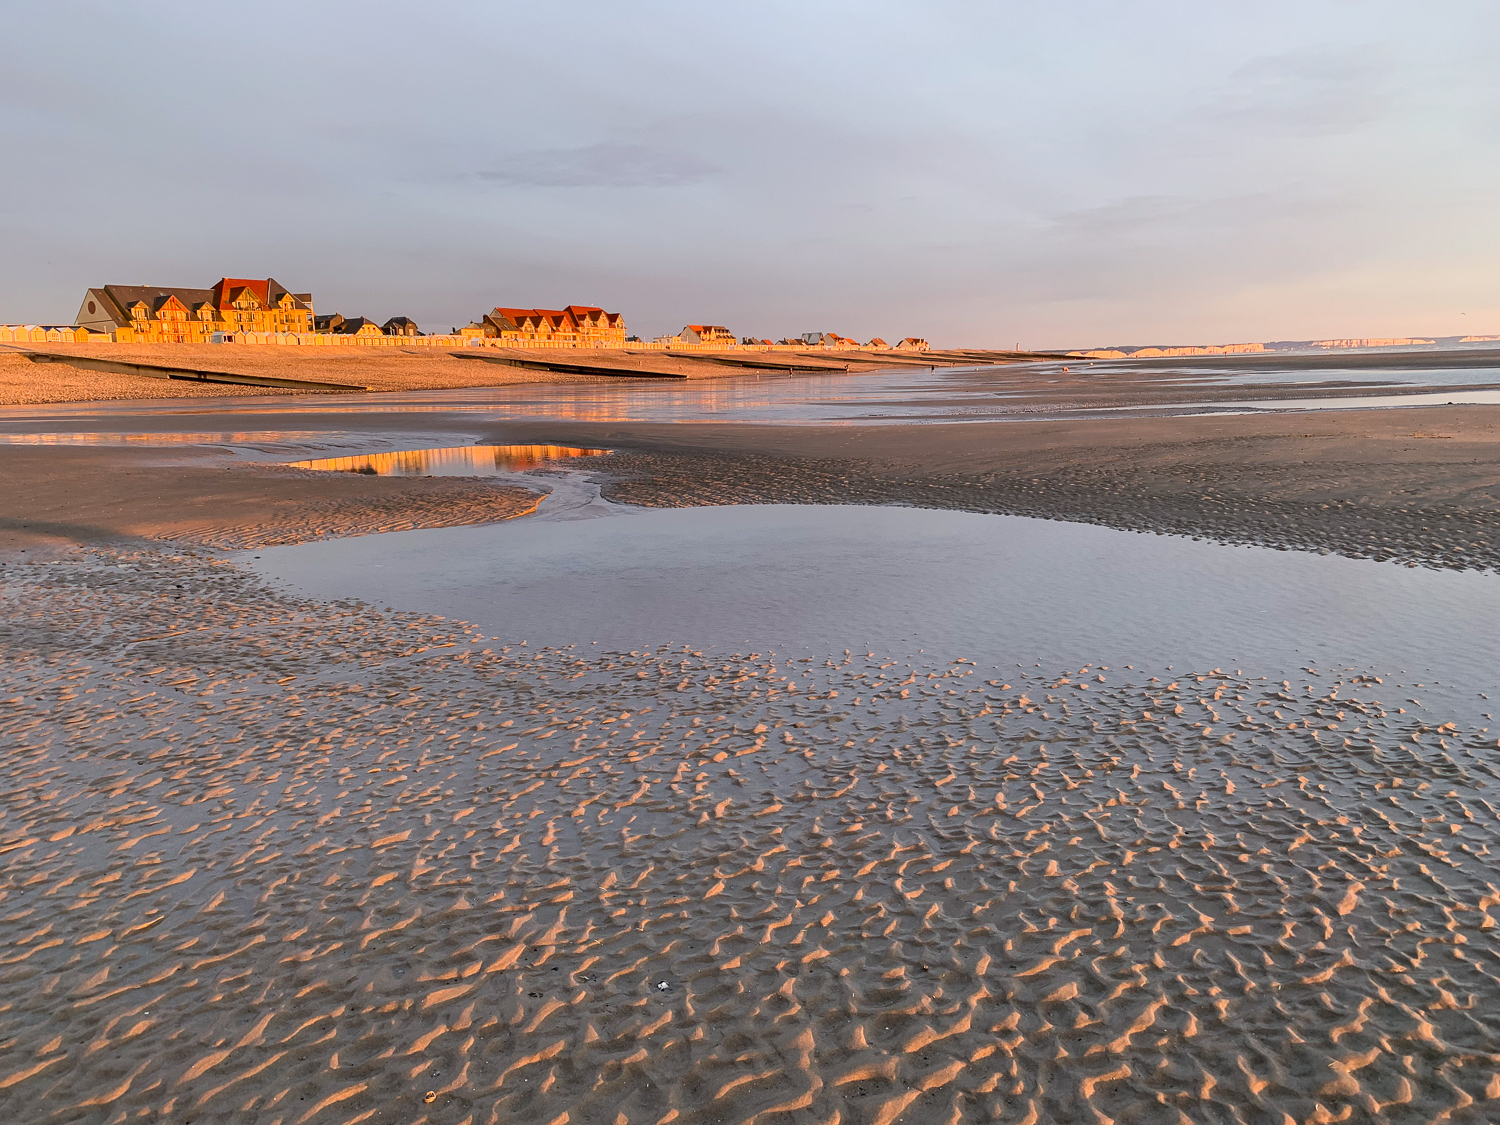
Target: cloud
[
  {"x": 1310, "y": 93},
  {"x": 602, "y": 165},
  {"x": 1124, "y": 218},
  {"x": 1164, "y": 220}
]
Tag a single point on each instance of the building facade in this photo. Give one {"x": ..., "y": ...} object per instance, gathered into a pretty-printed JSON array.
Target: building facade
[
  {"x": 825, "y": 340},
  {"x": 577, "y": 326},
  {"x": 356, "y": 326},
  {"x": 151, "y": 314},
  {"x": 707, "y": 334}
]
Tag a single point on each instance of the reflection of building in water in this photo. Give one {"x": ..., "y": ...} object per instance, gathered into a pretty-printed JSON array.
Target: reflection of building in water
[{"x": 457, "y": 461}]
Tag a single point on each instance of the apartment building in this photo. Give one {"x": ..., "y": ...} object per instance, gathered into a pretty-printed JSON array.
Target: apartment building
[
  {"x": 158, "y": 314},
  {"x": 585, "y": 326}
]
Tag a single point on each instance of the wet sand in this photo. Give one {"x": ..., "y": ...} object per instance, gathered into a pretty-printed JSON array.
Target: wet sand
[
  {"x": 283, "y": 861},
  {"x": 287, "y": 861},
  {"x": 60, "y": 498},
  {"x": 1421, "y": 485},
  {"x": 1018, "y": 383}
]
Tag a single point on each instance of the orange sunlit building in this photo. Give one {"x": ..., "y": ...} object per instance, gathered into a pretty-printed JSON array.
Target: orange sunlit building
[
  {"x": 577, "y": 326},
  {"x": 152, "y": 314}
]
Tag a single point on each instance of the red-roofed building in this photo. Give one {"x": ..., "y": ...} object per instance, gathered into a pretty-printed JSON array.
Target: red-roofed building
[
  {"x": 252, "y": 305},
  {"x": 707, "y": 334},
  {"x": 577, "y": 326},
  {"x": 827, "y": 340},
  {"x": 165, "y": 315}
]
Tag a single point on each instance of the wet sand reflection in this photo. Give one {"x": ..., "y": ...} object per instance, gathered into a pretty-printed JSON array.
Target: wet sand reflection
[{"x": 455, "y": 461}]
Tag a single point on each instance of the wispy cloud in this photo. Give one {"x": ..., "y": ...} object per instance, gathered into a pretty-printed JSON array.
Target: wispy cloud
[
  {"x": 602, "y": 165},
  {"x": 1161, "y": 219},
  {"x": 1309, "y": 93}
]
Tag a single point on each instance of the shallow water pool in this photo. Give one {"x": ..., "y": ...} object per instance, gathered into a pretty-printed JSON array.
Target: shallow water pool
[{"x": 1001, "y": 590}]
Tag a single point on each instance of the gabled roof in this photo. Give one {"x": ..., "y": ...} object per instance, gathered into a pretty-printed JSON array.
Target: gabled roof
[
  {"x": 516, "y": 315},
  {"x": 268, "y": 291},
  {"x": 228, "y": 287},
  {"x": 125, "y": 297},
  {"x": 567, "y": 319}
]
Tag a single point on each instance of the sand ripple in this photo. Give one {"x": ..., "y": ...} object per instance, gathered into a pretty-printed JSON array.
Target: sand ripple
[{"x": 275, "y": 861}]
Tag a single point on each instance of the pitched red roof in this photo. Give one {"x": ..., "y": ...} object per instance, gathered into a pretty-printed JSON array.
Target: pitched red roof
[
  {"x": 227, "y": 287},
  {"x": 268, "y": 291},
  {"x": 568, "y": 319}
]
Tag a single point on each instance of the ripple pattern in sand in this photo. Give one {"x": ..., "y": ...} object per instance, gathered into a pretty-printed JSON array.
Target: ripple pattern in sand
[{"x": 280, "y": 861}]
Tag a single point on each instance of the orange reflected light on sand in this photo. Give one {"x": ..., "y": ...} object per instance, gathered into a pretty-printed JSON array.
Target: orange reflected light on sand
[{"x": 457, "y": 461}]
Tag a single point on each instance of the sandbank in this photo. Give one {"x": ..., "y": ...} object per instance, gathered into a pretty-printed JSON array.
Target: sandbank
[
  {"x": 401, "y": 367},
  {"x": 59, "y": 498},
  {"x": 271, "y": 859},
  {"x": 1419, "y": 485}
]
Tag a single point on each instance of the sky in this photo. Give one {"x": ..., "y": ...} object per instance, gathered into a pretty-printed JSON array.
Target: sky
[{"x": 1063, "y": 174}]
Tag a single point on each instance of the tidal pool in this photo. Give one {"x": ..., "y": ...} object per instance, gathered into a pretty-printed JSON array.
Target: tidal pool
[{"x": 1000, "y": 590}]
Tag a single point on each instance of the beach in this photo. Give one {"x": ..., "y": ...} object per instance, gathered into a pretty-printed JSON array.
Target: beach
[
  {"x": 281, "y": 858},
  {"x": 388, "y": 368},
  {"x": 1418, "y": 485}
]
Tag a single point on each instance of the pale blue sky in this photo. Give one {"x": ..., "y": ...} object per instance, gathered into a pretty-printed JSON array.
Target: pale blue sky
[{"x": 1074, "y": 172}]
